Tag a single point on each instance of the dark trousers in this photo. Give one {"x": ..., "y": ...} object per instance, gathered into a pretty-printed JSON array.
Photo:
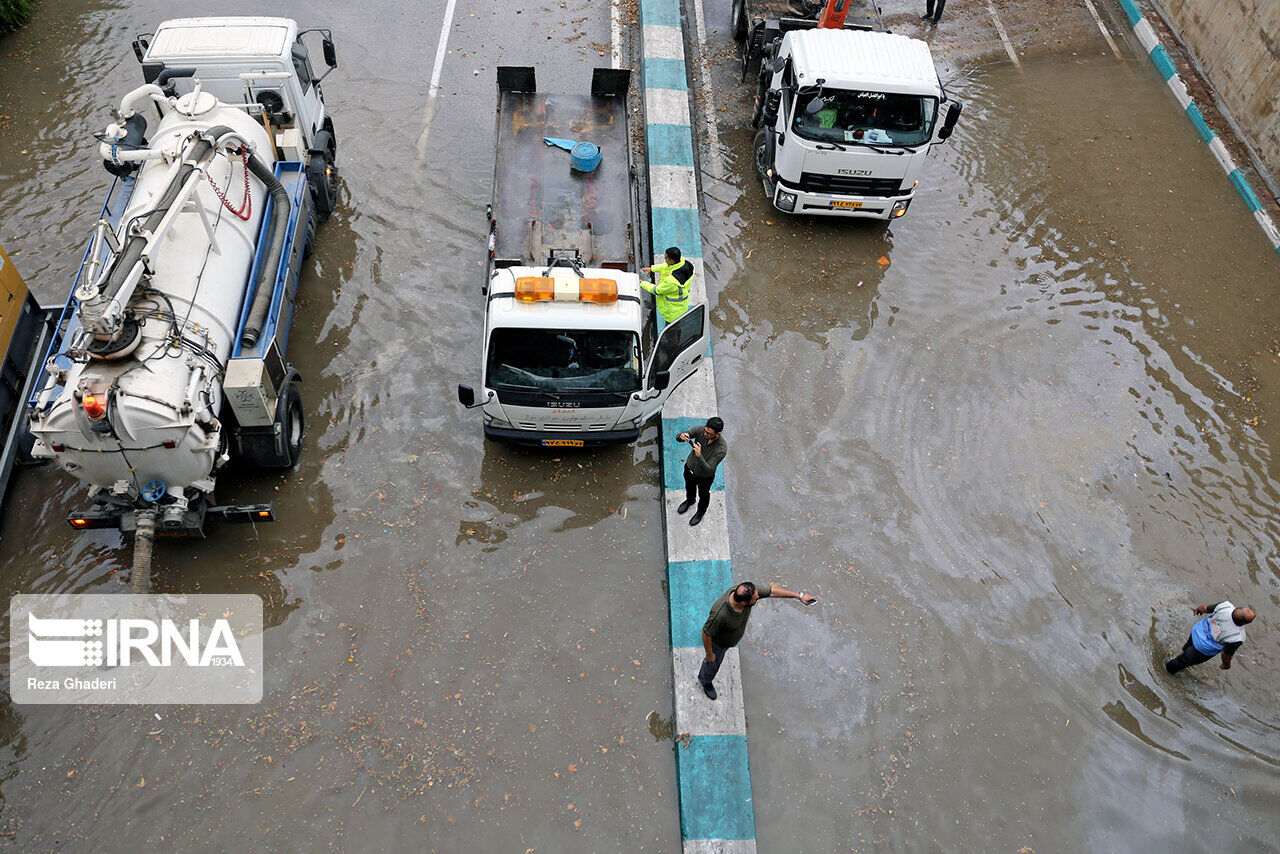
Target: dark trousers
[
  {"x": 928, "y": 9},
  {"x": 709, "y": 669},
  {"x": 1190, "y": 655},
  {"x": 698, "y": 488}
]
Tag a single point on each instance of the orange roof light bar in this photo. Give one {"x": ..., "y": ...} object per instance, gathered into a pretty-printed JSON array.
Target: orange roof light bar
[
  {"x": 597, "y": 290},
  {"x": 535, "y": 288}
]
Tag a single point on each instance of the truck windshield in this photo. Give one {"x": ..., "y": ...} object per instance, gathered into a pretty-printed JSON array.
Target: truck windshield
[
  {"x": 865, "y": 118},
  {"x": 564, "y": 362}
]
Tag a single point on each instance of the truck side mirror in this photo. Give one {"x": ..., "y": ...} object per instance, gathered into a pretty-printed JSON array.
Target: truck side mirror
[
  {"x": 772, "y": 99},
  {"x": 661, "y": 380},
  {"x": 466, "y": 395},
  {"x": 949, "y": 123},
  {"x": 330, "y": 54}
]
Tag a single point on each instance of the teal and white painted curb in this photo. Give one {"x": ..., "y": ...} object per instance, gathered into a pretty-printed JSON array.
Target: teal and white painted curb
[
  {"x": 716, "y": 816},
  {"x": 1151, "y": 44}
]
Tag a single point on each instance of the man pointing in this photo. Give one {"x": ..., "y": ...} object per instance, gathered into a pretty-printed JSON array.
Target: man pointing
[{"x": 728, "y": 623}]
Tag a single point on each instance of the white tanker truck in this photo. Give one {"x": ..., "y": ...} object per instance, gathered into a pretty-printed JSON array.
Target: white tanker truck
[{"x": 169, "y": 359}]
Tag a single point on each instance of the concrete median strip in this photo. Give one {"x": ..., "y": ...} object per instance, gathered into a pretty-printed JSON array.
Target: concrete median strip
[
  {"x": 714, "y": 779},
  {"x": 1160, "y": 57}
]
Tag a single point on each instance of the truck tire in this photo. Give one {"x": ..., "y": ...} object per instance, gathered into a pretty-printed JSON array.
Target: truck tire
[
  {"x": 280, "y": 445},
  {"x": 763, "y": 153},
  {"x": 738, "y": 20},
  {"x": 309, "y": 241},
  {"x": 323, "y": 180},
  {"x": 295, "y": 424}
]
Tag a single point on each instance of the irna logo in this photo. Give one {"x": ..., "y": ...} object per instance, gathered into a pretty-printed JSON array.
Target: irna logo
[{"x": 55, "y": 642}]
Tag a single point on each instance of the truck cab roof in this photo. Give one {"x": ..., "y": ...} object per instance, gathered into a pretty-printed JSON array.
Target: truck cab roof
[
  {"x": 219, "y": 38},
  {"x": 859, "y": 59},
  {"x": 506, "y": 311}
]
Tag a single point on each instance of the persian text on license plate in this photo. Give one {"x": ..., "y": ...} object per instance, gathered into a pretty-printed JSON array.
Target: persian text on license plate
[
  {"x": 562, "y": 443},
  {"x": 846, "y": 204}
]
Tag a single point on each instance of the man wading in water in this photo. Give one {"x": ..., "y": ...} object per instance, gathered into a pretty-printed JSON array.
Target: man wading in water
[{"x": 1222, "y": 631}]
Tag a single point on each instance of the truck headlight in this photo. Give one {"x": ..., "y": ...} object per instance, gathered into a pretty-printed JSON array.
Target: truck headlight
[
  {"x": 899, "y": 208},
  {"x": 786, "y": 201},
  {"x": 490, "y": 421}
]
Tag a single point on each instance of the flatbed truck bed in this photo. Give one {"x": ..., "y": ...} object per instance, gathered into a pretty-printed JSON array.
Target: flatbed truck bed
[{"x": 539, "y": 203}]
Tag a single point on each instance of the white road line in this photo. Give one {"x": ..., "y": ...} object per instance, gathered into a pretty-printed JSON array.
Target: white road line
[
  {"x": 615, "y": 31},
  {"x": 429, "y": 112},
  {"x": 1102, "y": 29},
  {"x": 1004, "y": 37},
  {"x": 704, "y": 91}
]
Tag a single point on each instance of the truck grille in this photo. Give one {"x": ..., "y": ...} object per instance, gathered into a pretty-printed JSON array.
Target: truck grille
[
  {"x": 560, "y": 428},
  {"x": 813, "y": 183}
]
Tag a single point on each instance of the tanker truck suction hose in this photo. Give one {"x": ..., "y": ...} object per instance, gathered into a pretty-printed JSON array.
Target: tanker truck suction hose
[
  {"x": 144, "y": 539},
  {"x": 264, "y": 287}
]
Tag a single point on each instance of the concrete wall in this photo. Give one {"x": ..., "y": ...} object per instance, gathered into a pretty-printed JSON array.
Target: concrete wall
[{"x": 1237, "y": 43}]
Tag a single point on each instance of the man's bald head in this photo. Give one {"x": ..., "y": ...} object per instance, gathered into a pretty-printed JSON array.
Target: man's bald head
[{"x": 1242, "y": 616}]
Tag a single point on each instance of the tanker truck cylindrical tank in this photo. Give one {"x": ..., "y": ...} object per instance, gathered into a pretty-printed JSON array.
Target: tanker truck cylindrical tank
[{"x": 162, "y": 395}]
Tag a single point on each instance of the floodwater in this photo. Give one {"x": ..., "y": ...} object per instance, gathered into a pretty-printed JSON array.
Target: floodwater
[
  {"x": 465, "y": 641},
  {"x": 1009, "y": 440}
]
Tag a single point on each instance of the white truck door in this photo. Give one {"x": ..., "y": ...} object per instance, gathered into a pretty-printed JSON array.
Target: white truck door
[
  {"x": 679, "y": 352},
  {"x": 310, "y": 111}
]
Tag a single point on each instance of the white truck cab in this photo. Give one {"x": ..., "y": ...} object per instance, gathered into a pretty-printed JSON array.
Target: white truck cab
[
  {"x": 263, "y": 64},
  {"x": 566, "y": 363},
  {"x": 845, "y": 118}
]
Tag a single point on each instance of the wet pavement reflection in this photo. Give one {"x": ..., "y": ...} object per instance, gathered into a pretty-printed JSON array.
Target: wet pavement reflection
[
  {"x": 1010, "y": 440},
  {"x": 464, "y": 641},
  {"x": 1013, "y": 439}
]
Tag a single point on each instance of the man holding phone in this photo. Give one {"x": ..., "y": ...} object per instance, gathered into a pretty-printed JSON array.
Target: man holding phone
[
  {"x": 728, "y": 623},
  {"x": 709, "y": 449}
]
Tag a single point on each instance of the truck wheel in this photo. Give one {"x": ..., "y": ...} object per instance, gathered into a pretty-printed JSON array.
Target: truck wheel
[
  {"x": 762, "y": 154},
  {"x": 323, "y": 180},
  {"x": 738, "y": 20},
  {"x": 309, "y": 242},
  {"x": 295, "y": 424},
  {"x": 269, "y": 447}
]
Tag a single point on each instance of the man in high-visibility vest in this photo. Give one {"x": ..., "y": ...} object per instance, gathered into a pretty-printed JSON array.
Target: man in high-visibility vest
[{"x": 671, "y": 288}]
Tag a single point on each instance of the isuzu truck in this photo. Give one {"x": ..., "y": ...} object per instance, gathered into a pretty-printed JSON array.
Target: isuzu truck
[
  {"x": 846, "y": 112},
  {"x": 571, "y": 356}
]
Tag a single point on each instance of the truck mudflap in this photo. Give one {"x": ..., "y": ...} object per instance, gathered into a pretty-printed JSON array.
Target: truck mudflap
[
  {"x": 191, "y": 524},
  {"x": 560, "y": 438}
]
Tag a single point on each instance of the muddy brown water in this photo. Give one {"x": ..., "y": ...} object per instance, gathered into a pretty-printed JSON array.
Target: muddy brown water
[
  {"x": 1011, "y": 440},
  {"x": 464, "y": 641},
  {"x": 1008, "y": 461}
]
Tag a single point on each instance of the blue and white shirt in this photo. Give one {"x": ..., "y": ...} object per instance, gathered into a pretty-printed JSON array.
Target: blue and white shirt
[{"x": 1217, "y": 630}]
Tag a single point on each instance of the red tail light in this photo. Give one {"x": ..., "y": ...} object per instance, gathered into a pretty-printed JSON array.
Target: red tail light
[{"x": 169, "y": 443}]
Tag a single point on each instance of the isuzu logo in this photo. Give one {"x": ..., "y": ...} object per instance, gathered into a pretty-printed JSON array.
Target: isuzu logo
[
  {"x": 563, "y": 404},
  {"x": 853, "y": 171}
]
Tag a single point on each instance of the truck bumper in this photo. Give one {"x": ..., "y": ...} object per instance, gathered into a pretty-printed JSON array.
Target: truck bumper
[
  {"x": 191, "y": 524},
  {"x": 835, "y": 204},
  {"x": 561, "y": 439}
]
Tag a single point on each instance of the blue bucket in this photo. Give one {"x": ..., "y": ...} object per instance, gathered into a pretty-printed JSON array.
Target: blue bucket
[{"x": 585, "y": 157}]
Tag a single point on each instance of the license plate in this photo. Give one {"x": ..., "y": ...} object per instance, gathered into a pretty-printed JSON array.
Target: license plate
[
  {"x": 562, "y": 443},
  {"x": 846, "y": 204}
]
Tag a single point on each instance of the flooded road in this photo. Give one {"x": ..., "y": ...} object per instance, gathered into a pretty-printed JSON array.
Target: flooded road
[
  {"x": 1011, "y": 440},
  {"x": 465, "y": 641}
]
